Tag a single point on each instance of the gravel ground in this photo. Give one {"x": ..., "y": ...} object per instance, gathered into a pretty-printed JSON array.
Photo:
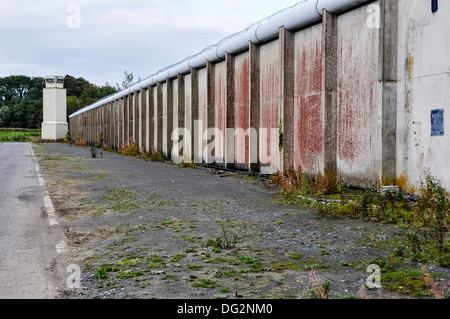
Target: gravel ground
[{"x": 141, "y": 229}]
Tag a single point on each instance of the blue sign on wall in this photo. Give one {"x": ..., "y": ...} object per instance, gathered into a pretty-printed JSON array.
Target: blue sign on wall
[
  {"x": 434, "y": 6},
  {"x": 437, "y": 122}
]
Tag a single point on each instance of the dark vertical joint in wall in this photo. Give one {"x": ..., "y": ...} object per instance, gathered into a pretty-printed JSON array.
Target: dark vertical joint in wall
[
  {"x": 255, "y": 119},
  {"x": 330, "y": 83},
  {"x": 230, "y": 112},
  {"x": 389, "y": 77},
  {"x": 287, "y": 98}
]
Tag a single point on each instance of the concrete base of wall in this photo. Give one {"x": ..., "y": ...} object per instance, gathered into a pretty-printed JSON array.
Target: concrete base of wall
[{"x": 54, "y": 131}]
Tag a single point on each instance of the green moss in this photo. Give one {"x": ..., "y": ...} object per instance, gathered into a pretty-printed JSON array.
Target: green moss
[
  {"x": 312, "y": 263},
  {"x": 170, "y": 277},
  {"x": 406, "y": 281},
  {"x": 129, "y": 274},
  {"x": 176, "y": 258},
  {"x": 283, "y": 265}
]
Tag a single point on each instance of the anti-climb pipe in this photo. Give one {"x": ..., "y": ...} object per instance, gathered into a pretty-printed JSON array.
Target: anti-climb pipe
[{"x": 294, "y": 18}]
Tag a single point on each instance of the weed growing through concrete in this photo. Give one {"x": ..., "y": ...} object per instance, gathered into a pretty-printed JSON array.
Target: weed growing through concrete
[
  {"x": 188, "y": 165},
  {"x": 320, "y": 288},
  {"x": 129, "y": 150}
]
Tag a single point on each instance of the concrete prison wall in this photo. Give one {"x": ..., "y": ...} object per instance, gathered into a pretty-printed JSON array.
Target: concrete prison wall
[{"x": 363, "y": 92}]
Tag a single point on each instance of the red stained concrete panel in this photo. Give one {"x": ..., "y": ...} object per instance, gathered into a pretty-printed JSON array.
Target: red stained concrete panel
[
  {"x": 359, "y": 100},
  {"x": 241, "y": 107},
  {"x": 309, "y": 108},
  {"x": 269, "y": 106}
]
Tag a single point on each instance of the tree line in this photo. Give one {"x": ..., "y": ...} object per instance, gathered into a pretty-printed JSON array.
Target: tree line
[{"x": 21, "y": 98}]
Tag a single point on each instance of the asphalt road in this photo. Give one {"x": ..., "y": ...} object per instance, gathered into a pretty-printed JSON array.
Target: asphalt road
[{"x": 28, "y": 258}]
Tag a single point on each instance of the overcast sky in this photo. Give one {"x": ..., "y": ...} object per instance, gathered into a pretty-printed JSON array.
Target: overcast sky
[{"x": 100, "y": 39}]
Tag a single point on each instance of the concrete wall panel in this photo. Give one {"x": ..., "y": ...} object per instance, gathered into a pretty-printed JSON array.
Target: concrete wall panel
[
  {"x": 424, "y": 68},
  {"x": 220, "y": 98},
  {"x": 241, "y": 109},
  {"x": 359, "y": 105},
  {"x": 308, "y": 105},
  {"x": 188, "y": 125},
  {"x": 202, "y": 110},
  {"x": 269, "y": 107}
]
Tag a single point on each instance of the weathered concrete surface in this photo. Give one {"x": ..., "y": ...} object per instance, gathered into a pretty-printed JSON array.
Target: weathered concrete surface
[
  {"x": 358, "y": 120},
  {"x": 241, "y": 109},
  {"x": 309, "y": 107},
  {"x": 424, "y": 74},
  {"x": 220, "y": 94},
  {"x": 344, "y": 95},
  {"x": 270, "y": 106}
]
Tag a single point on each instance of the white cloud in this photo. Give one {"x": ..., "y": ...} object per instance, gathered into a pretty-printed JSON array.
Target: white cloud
[{"x": 140, "y": 36}]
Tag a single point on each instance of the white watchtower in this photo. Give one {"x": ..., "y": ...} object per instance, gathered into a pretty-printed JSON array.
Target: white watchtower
[{"x": 55, "y": 124}]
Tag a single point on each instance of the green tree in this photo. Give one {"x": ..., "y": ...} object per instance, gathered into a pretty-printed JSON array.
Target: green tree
[
  {"x": 75, "y": 86},
  {"x": 14, "y": 85},
  {"x": 21, "y": 98}
]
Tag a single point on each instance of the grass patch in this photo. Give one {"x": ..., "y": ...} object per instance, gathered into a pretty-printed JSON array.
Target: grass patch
[
  {"x": 195, "y": 267},
  {"x": 205, "y": 283},
  {"x": 283, "y": 265},
  {"x": 18, "y": 135},
  {"x": 101, "y": 272}
]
